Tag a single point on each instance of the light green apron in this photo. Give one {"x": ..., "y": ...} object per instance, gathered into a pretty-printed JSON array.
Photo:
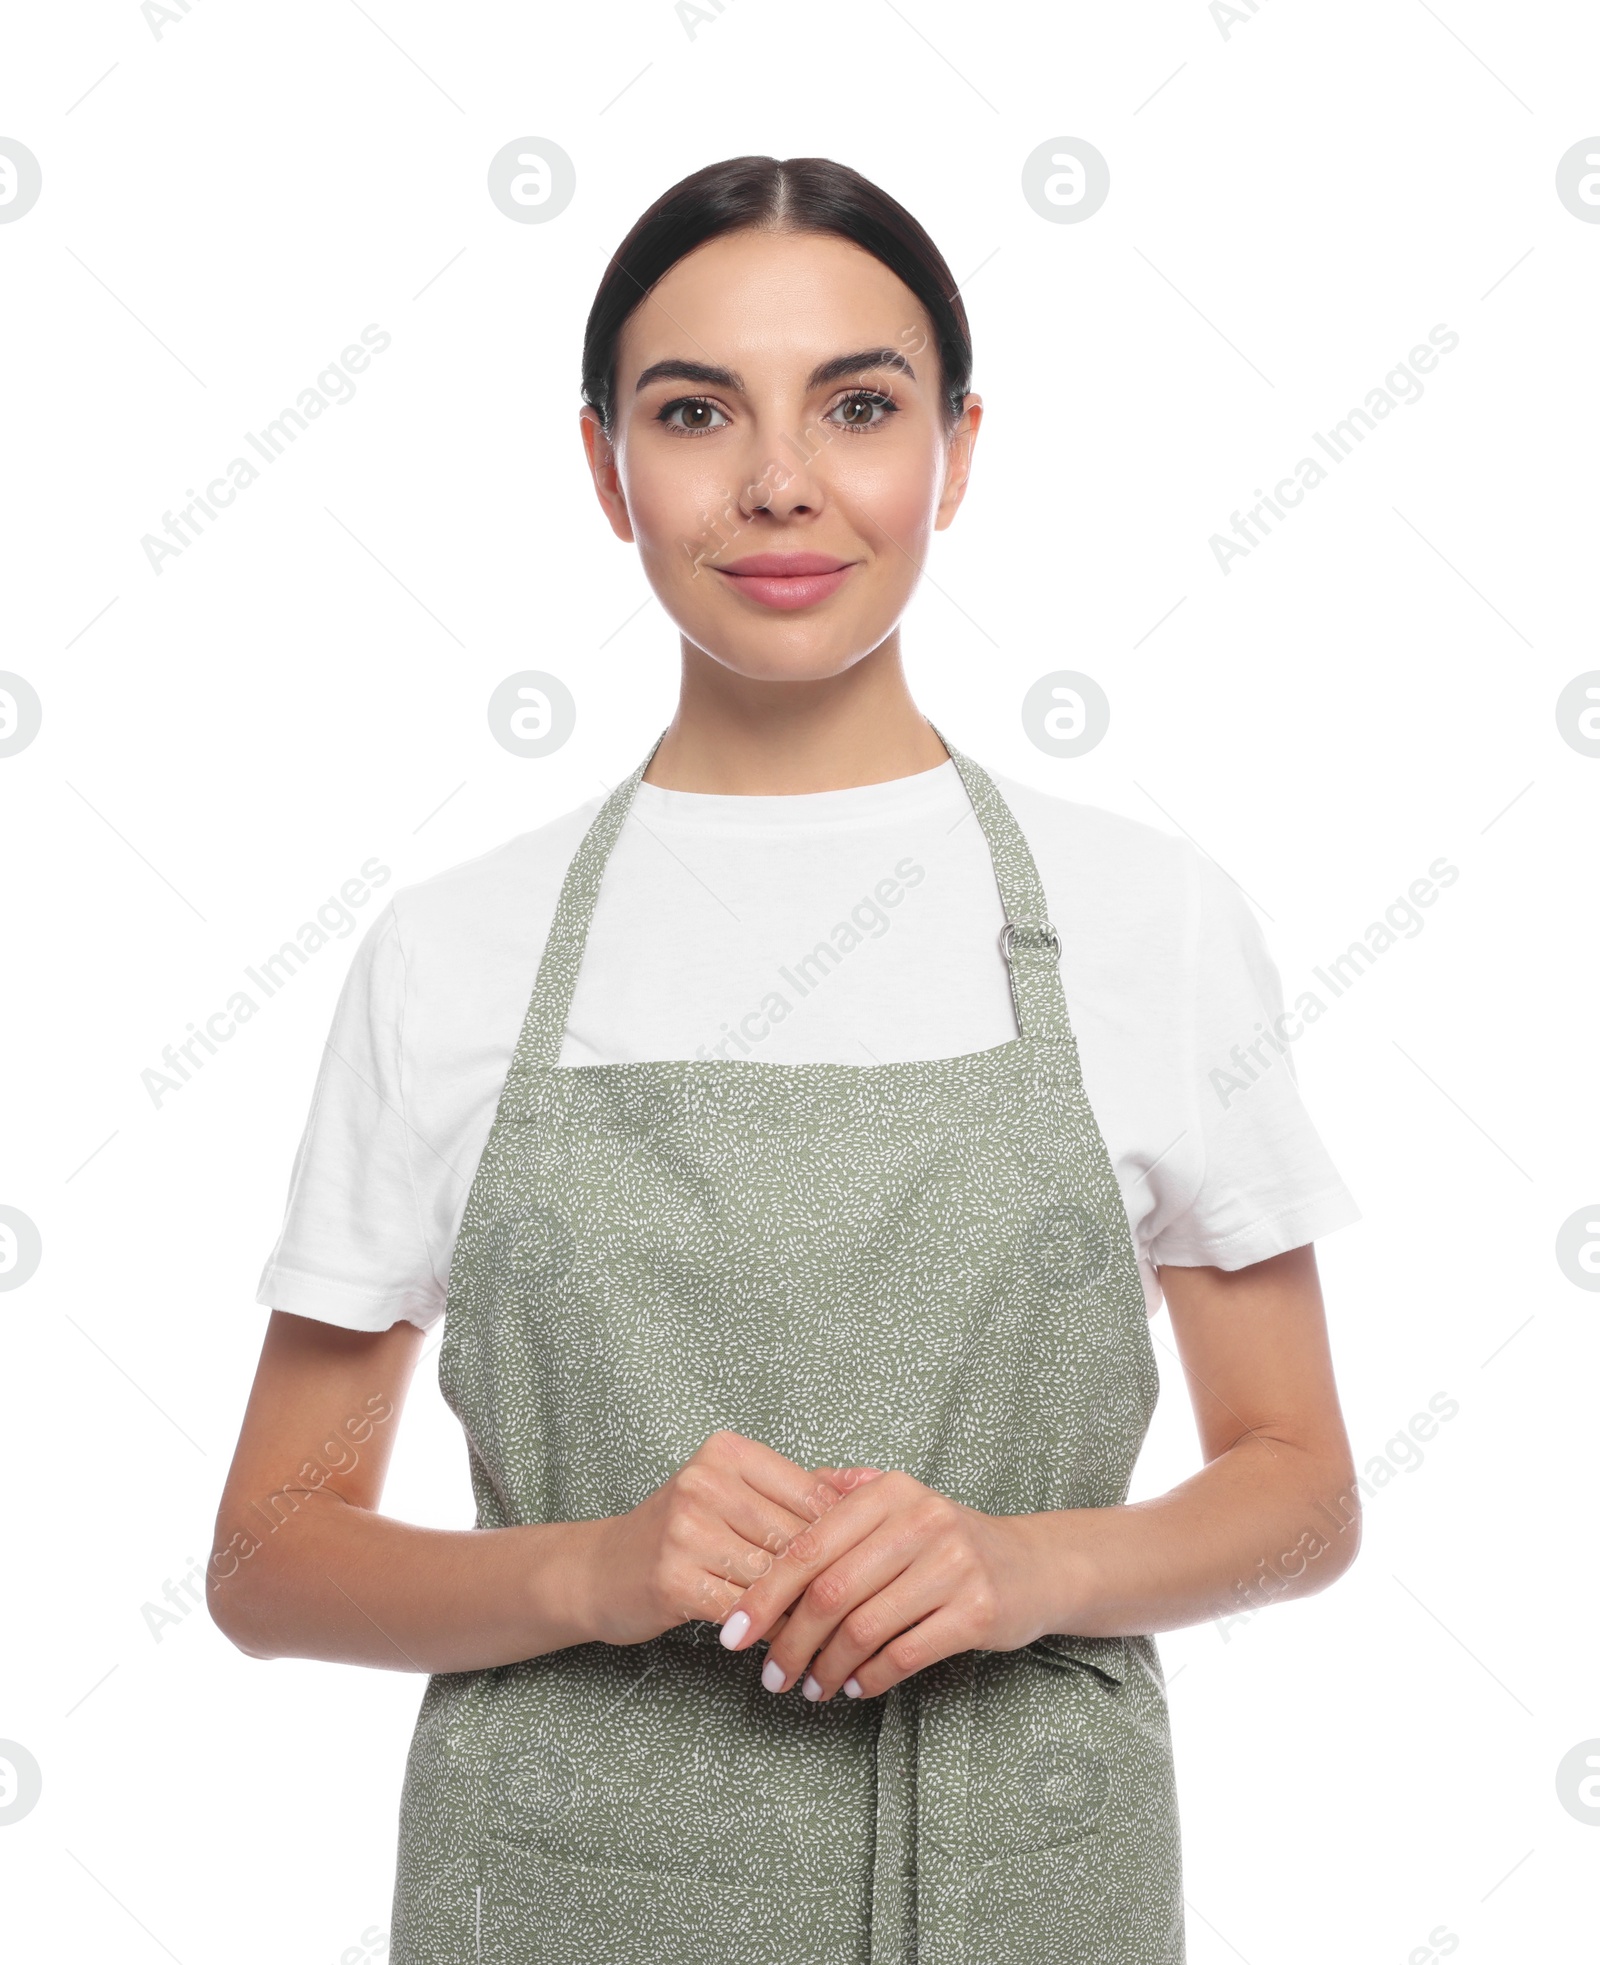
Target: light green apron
[{"x": 921, "y": 1265}]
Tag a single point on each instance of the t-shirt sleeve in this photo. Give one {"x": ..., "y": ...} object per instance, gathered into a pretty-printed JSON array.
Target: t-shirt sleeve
[
  {"x": 1267, "y": 1183},
  {"x": 351, "y": 1250}
]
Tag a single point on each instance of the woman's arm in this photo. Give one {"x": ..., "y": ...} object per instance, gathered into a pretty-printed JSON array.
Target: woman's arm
[
  {"x": 303, "y": 1565},
  {"x": 1274, "y": 1513}
]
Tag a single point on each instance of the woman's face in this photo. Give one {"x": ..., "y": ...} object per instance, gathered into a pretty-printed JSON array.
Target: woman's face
[{"x": 779, "y": 454}]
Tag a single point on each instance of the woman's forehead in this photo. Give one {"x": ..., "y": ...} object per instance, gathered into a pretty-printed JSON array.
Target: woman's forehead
[{"x": 774, "y": 300}]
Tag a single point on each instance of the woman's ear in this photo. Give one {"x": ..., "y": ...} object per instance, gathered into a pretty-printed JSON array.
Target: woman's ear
[
  {"x": 958, "y": 460},
  {"x": 602, "y": 458}
]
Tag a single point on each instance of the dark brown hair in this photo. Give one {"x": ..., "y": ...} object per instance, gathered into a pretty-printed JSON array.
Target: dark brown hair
[{"x": 801, "y": 194}]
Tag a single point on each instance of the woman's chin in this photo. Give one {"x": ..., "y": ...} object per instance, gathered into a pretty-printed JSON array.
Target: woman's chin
[
  {"x": 787, "y": 650},
  {"x": 783, "y": 664}
]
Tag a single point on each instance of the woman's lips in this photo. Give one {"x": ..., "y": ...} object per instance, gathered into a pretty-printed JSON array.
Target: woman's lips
[{"x": 786, "y": 580}]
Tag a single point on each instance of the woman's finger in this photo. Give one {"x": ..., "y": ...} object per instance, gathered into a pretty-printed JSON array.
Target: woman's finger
[
  {"x": 869, "y": 1582},
  {"x": 850, "y": 1521},
  {"x": 801, "y": 1492},
  {"x": 912, "y": 1649}
]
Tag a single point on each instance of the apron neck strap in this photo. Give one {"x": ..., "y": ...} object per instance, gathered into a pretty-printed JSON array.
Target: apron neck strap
[
  {"x": 1029, "y": 944},
  {"x": 545, "y": 1024}
]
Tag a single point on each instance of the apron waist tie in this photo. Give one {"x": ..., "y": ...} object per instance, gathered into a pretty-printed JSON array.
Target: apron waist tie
[{"x": 893, "y": 1914}]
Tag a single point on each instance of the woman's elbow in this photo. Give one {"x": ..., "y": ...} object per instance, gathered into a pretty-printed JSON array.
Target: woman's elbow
[
  {"x": 236, "y": 1581},
  {"x": 1337, "y": 1539}
]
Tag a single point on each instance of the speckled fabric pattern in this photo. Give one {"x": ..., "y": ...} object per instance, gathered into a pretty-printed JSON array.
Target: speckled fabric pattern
[{"x": 919, "y": 1265}]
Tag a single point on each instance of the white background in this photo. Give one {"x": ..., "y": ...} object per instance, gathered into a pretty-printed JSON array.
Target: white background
[{"x": 1293, "y": 206}]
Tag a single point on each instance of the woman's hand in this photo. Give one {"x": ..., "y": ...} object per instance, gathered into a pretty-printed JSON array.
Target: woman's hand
[
  {"x": 891, "y": 1578},
  {"x": 693, "y": 1547}
]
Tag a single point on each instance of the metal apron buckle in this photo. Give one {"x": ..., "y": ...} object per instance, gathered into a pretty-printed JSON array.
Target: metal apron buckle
[{"x": 1048, "y": 938}]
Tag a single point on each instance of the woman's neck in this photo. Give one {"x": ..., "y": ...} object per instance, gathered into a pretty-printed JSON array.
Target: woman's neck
[{"x": 750, "y": 735}]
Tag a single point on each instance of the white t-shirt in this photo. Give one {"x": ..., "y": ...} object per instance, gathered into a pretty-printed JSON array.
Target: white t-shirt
[{"x": 850, "y": 927}]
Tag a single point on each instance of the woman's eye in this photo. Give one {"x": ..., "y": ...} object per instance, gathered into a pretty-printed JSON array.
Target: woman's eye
[
  {"x": 696, "y": 415},
  {"x": 865, "y": 410}
]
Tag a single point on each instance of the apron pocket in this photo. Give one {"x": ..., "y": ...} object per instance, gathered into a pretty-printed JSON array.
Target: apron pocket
[
  {"x": 672, "y": 1760},
  {"x": 1105, "y": 1658},
  {"x": 539, "y": 1910},
  {"x": 1042, "y": 1746}
]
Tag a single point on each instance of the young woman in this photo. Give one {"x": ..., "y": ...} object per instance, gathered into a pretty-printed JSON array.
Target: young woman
[{"x": 799, "y": 1267}]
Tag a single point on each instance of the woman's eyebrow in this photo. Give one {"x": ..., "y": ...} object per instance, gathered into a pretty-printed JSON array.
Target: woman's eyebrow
[
  {"x": 843, "y": 365},
  {"x": 726, "y": 378},
  {"x": 681, "y": 371}
]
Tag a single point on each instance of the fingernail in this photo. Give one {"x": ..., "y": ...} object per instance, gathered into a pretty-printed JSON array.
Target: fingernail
[
  {"x": 851, "y": 1689},
  {"x": 735, "y": 1628},
  {"x": 812, "y": 1687},
  {"x": 773, "y": 1675}
]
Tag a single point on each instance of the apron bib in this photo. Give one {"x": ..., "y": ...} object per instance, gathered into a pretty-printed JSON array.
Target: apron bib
[{"x": 922, "y": 1265}]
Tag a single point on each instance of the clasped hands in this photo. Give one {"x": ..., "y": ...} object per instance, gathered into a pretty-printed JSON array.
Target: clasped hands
[{"x": 864, "y": 1575}]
